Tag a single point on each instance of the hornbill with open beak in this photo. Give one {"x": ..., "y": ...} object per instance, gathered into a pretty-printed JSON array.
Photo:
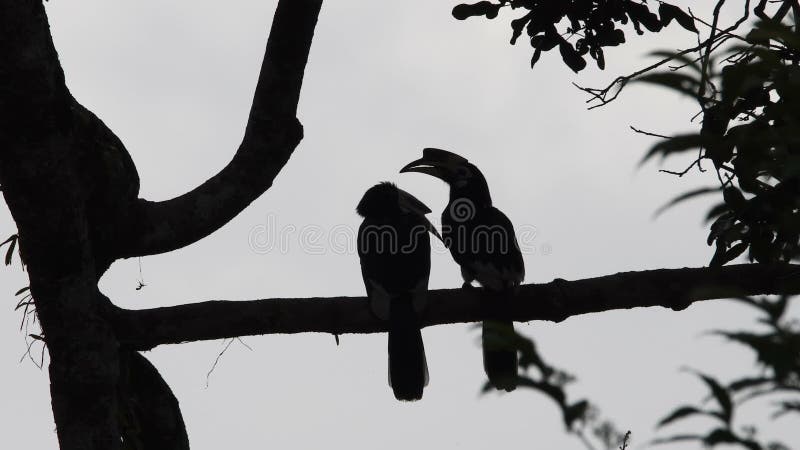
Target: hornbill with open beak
[
  {"x": 395, "y": 251},
  {"x": 482, "y": 241}
]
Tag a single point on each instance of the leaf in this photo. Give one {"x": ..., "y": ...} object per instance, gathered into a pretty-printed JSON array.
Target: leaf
[
  {"x": 787, "y": 407},
  {"x": 724, "y": 257},
  {"x": 554, "y": 392},
  {"x": 721, "y": 395},
  {"x": 517, "y": 25},
  {"x": 611, "y": 37},
  {"x": 744, "y": 383},
  {"x": 680, "y": 82},
  {"x": 679, "y": 413},
  {"x": 771, "y": 351},
  {"x": 535, "y": 58},
  {"x": 26, "y": 288},
  {"x": 720, "y": 436},
  {"x": 773, "y": 30},
  {"x": 675, "y": 144},
  {"x": 571, "y": 57},
  {"x": 716, "y": 211},
  {"x": 483, "y": 8},
  {"x": 734, "y": 198},
  {"x": 719, "y": 253},
  {"x": 721, "y": 225},
  {"x": 10, "y": 252},
  {"x": 685, "y": 196},
  {"x": 640, "y": 13},
  {"x": 544, "y": 42},
  {"x": 597, "y": 54},
  {"x": 677, "y": 438},
  {"x": 735, "y": 251},
  {"x": 574, "y": 412},
  {"x": 669, "y": 12}
]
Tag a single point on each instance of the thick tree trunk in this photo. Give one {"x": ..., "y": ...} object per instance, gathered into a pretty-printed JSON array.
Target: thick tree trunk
[
  {"x": 72, "y": 190},
  {"x": 48, "y": 199}
]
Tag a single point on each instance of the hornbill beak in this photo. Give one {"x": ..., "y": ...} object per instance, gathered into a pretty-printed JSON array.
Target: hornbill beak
[
  {"x": 409, "y": 203},
  {"x": 435, "y": 162},
  {"x": 426, "y": 167}
]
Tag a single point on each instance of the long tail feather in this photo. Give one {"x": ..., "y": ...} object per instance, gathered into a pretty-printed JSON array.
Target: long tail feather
[
  {"x": 499, "y": 358},
  {"x": 408, "y": 369}
]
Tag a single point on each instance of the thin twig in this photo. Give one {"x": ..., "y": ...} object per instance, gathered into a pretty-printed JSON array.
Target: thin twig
[
  {"x": 219, "y": 356},
  {"x": 216, "y": 361},
  {"x": 648, "y": 133},
  {"x": 625, "y": 440},
  {"x": 602, "y": 96},
  {"x": 684, "y": 171}
]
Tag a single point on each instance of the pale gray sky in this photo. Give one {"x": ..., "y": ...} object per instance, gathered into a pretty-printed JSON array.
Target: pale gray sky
[{"x": 174, "y": 80}]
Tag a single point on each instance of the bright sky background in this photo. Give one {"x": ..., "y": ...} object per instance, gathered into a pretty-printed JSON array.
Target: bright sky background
[{"x": 175, "y": 80}]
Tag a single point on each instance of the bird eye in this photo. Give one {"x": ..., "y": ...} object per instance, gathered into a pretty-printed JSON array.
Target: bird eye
[{"x": 462, "y": 172}]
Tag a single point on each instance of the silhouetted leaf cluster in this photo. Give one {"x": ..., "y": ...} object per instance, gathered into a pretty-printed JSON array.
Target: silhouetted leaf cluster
[
  {"x": 546, "y": 379},
  {"x": 751, "y": 134},
  {"x": 596, "y": 23},
  {"x": 778, "y": 355},
  {"x": 578, "y": 416}
]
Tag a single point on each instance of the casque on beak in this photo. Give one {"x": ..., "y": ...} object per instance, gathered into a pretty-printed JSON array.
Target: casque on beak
[
  {"x": 435, "y": 162},
  {"x": 409, "y": 203},
  {"x": 426, "y": 167}
]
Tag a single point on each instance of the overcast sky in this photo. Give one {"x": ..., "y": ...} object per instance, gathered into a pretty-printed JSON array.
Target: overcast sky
[{"x": 174, "y": 80}]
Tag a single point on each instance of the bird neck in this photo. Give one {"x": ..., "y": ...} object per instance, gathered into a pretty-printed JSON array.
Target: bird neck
[{"x": 478, "y": 196}]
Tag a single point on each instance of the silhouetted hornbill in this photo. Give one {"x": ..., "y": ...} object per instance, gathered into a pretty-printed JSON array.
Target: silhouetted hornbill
[
  {"x": 482, "y": 241},
  {"x": 395, "y": 252}
]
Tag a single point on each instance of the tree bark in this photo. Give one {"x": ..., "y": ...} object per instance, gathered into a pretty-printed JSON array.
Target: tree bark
[
  {"x": 47, "y": 196},
  {"x": 554, "y": 301},
  {"x": 72, "y": 189}
]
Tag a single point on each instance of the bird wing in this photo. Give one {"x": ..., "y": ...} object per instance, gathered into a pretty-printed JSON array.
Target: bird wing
[
  {"x": 397, "y": 269},
  {"x": 496, "y": 260}
]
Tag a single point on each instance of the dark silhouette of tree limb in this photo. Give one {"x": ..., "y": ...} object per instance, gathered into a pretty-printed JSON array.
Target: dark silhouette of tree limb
[
  {"x": 554, "y": 301},
  {"x": 271, "y": 136},
  {"x": 72, "y": 189}
]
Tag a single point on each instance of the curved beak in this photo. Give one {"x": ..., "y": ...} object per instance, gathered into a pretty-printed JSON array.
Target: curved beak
[
  {"x": 409, "y": 203},
  {"x": 426, "y": 166}
]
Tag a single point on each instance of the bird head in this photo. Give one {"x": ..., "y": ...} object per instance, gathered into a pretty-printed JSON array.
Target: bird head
[
  {"x": 464, "y": 178},
  {"x": 385, "y": 200}
]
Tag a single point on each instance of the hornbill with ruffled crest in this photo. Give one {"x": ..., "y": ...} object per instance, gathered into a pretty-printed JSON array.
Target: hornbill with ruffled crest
[
  {"x": 395, "y": 251},
  {"x": 482, "y": 241}
]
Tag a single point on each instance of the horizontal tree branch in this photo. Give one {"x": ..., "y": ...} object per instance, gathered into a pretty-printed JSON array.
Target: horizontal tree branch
[
  {"x": 554, "y": 301},
  {"x": 271, "y": 135}
]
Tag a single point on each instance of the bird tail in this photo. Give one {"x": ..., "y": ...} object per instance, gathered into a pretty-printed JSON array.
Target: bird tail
[
  {"x": 408, "y": 369},
  {"x": 500, "y": 359},
  {"x": 499, "y": 356}
]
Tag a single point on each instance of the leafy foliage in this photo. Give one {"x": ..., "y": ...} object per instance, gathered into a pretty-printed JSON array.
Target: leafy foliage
[
  {"x": 778, "y": 355},
  {"x": 750, "y": 133},
  {"x": 578, "y": 416},
  {"x": 749, "y": 100},
  {"x": 596, "y": 23}
]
